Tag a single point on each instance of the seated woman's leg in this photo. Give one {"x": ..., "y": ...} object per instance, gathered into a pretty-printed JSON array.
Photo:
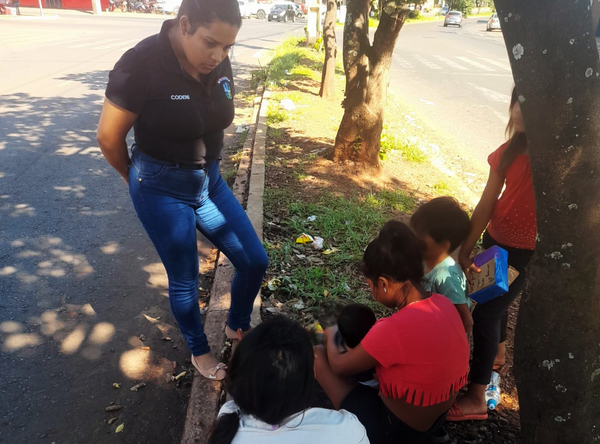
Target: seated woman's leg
[{"x": 224, "y": 222}]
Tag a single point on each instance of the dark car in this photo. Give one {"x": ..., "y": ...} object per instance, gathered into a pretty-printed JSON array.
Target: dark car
[{"x": 283, "y": 13}]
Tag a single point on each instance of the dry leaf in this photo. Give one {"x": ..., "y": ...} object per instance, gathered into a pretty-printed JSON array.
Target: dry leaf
[
  {"x": 145, "y": 348},
  {"x": 166, "y": 338},
  {"x": 120, "y": 428},
  {"x": 111, "y": 420},
  {"x": 112, "y": 408},
  {"x": 116, "y": 385},
  {"x": 180, "y": 375},
  {"x": 136, "y": 387}
]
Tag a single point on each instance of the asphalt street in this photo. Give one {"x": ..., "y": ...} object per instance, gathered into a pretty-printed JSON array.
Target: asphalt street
[{"x": 80, "y": 283}]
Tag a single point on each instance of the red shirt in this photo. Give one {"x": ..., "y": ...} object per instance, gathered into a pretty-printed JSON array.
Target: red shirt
[
  {"x": 422, "y": 352},
  {"x": 514, "y": 222}
]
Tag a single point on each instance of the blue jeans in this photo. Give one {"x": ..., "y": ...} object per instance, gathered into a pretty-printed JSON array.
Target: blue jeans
[{"x": 172, "y": 202}]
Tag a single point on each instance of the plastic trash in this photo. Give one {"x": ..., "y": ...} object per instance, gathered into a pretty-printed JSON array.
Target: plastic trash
[
  {"x": 311, "y": 218},
  {"x": 318, "y": 243},
  {"x": 492, "y": 392},
  {"x": 287, "y": 105},
  {"x": 304, "y": 239}
]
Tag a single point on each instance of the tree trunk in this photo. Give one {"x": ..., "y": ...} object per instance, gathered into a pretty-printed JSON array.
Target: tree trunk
[
  {"x": 557, "y": 345},
  {"x": 367, "y": 78},
  {"x": 328, "y": 78}
]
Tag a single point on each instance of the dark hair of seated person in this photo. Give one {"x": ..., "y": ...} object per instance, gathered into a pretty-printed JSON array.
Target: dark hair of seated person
[
  {"x": 354, "y": 322},
  {"x": 270, "y": 376}
]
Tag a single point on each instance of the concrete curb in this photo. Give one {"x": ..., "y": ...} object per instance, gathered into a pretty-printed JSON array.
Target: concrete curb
[{"x": 205, "y": 396}]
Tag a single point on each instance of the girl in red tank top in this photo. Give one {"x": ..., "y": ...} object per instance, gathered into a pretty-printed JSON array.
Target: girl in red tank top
[{"x": 509, "y": 221}]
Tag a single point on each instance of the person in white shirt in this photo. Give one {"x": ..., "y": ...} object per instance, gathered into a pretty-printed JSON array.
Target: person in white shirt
[{"x": 271, "y": 380}]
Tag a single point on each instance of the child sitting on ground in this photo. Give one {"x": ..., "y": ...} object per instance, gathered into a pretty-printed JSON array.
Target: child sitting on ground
[
  {"x": 443, "y": 225},
  {"x": 354, "y": 322}
]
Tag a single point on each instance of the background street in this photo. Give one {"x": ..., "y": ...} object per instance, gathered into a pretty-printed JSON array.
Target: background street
[{"x": 79, "y": 280}]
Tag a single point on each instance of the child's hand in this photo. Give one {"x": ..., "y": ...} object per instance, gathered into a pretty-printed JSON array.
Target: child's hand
[
  {"x": 468, "y": 266},
  {"x": 330, "y": 333}
]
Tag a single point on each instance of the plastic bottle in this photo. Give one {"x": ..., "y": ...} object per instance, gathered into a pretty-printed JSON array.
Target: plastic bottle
[{"x": 492, "y": 392}]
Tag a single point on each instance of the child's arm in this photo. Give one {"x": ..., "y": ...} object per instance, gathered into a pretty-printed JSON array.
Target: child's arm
[
  {"x": 356, "y": 360},
  {"x": 465, "y": 314},
  {"x": 480, "y": 220}
]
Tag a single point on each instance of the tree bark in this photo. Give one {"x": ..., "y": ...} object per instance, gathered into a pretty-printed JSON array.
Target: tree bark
[
  {"x": 328, "y": 76},
  {"x": 367, "y": 78},
  {"x": 557, "y": 345}
]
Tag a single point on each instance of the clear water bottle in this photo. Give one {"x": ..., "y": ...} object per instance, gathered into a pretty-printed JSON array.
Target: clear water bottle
[{"x": 492, "y": 392}]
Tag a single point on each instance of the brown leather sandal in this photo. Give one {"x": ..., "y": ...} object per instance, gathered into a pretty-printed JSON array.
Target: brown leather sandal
[{"x": 211, "y": 373}]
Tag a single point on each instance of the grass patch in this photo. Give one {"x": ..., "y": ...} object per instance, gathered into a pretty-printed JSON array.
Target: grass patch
[
  {"x": 289, "y": 56},
  {"x": 409, "y": 149},
  {"x": 441, "y": 187},
  {"x": 275, "y": 133},
  {"x": 275, "y": 114},
  {"x": 229, "y": 174}
]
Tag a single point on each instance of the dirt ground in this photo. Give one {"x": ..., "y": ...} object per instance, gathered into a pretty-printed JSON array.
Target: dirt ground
[{"x": 297, "y": 165}]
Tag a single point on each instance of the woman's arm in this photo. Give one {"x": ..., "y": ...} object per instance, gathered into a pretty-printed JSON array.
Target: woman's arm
[
  {"x": 480, "y": 220},
  {"x": 351, "y": 363},
  {"x": 113, "y": 127},
  {"x": 465, "y": 315}
]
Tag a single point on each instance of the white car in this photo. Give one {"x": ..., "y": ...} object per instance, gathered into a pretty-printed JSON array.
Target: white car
[
  {"x": 244, "y": 9},
  {"x": 260, "y": 10},
  {"x": 493, "y": 23}
]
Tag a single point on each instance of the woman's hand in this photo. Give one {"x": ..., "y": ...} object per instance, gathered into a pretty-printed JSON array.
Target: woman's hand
[{"x": 329, "y": 333}]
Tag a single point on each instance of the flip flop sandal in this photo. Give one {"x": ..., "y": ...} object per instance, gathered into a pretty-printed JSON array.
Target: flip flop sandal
[
  {"x": 456, "y": 414},
  {"x": 210, "y": 373},
  {"x": 232, "y": 334}
]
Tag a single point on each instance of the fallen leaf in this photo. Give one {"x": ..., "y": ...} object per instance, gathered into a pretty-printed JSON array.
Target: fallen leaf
[
  {"x": 145, "y": 348},
  {"x": 113, "y": 408},
  {"x": 120, "y": 428},
  {"x": 273, "y": 309},
  {"x": 111, "y": 420},
  {"x": 166, "y": 338},
  {"x": 136, "y": 387},
  {"x": 116, "y": 385},
  {"x": 180, "y": 375}
]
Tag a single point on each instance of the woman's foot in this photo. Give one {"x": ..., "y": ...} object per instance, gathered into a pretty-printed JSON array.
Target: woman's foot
[
  {"x": 236, "y": 335},
  {"x": 209, "y": 367}
]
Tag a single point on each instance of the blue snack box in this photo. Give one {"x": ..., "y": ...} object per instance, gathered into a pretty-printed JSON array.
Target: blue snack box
[{"x": 493, "y": 280}]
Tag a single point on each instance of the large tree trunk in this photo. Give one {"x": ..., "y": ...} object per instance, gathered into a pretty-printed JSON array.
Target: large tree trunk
[
  {"x": 557, "y": 350},
  {"x": 367, "y": 77},
  {"x": 328, "y": 78}
]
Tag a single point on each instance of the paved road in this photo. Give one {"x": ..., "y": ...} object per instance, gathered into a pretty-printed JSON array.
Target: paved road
[
  {"x": 459, "y": 80},
  {"x": 79, "y": 281}
]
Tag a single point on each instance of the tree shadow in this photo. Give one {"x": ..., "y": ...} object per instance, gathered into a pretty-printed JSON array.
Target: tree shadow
[{"x": 81, "y": 283}]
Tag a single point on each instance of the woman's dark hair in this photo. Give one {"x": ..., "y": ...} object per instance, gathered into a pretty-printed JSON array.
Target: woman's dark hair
[
  {"x": 442, "y": 219},
  {"x": 354, "y": 322},
  {"x": 205, "y": 12},
  {"x": 394, "y": 254},
  {"x": 271, "y": 376},
  {"x": 517, "y": 141}
]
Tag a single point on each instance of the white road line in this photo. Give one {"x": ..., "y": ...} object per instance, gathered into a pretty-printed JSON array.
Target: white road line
[
  {"x": 475, "y": 64},
  {"x": 403, "y": 62},
  {"x": 113, "y": 45},
  {"x": 258, "y": 54},
  {"x": 451, "y": 63},
  {"x": 426, "y": 62},
  {"x": 492, "y": 95},
  {"x": 84, "y": 45},
  {"x": 495, "y": 63}
]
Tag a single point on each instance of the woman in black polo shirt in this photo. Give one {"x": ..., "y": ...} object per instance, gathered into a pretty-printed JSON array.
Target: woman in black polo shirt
[{"x": 176, "y": 90}]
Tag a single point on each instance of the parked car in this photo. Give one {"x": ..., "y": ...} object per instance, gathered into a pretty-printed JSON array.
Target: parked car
[
  {"x": 444, "y": 10},
  {"x": 297, "y": 8},
  {"x": 282, "y": 12},
  {"x": 453, "y": 18},
  {"x": 244, "y": 9},
  {"x": 493, "y": 23},
  {"x": 260, "y": 10}
]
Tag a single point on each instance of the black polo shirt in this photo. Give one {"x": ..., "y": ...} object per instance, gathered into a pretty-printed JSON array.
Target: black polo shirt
[{"x": 176, "y": 113}]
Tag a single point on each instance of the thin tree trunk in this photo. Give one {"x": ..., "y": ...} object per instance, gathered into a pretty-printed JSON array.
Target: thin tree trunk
[
  {"x": 328, "y": 77},
  {"x": 557, "y": 345},
  {"x": 367, "y": 78}
]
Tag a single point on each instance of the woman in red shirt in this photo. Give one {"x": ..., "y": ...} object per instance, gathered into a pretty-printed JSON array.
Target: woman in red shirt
[
  {"x": 420, "y": 353},
  {"x": 511, "y": 224}
]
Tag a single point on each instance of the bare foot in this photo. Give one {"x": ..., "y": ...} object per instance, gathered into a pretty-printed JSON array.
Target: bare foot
[
  {"x": 209, "y": 367},
  {"x": 500, "y": 356},
  {"x": 473, "y": 403}
]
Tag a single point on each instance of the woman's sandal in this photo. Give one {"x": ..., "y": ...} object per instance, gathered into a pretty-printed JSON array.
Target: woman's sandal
[
  {"x": 233, "y": 335},
  {"x": 210, "y": 373}
]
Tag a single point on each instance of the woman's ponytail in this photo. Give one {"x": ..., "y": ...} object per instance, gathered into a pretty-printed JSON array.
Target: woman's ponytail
[{"x": 225, "y": 429}]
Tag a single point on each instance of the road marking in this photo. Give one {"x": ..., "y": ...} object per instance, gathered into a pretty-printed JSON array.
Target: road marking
[
  {"x": 84, "y": 45},
  {"x": 492, "y": 95},
  {"x": 113, "y": 45},
  {"x": 402, "y": 61},
  {"x": 475, "y": 64},
  {"x": 495, "y": 63},
  {"x": 451, "y": 63},
  {"x": 426, "y": 62},
  {"x": 258, "y": 54}
]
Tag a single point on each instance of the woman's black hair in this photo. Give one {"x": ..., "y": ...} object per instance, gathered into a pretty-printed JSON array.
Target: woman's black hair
[
  {"x": 396, "y": 253},
  {"x": 517, "y": 141},
  {"x": 271, "y": 376},
  {"x": 205, "y": 12}
]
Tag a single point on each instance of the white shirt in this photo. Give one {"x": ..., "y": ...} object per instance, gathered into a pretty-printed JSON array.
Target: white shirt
[{"x": 314, "y": 426}]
